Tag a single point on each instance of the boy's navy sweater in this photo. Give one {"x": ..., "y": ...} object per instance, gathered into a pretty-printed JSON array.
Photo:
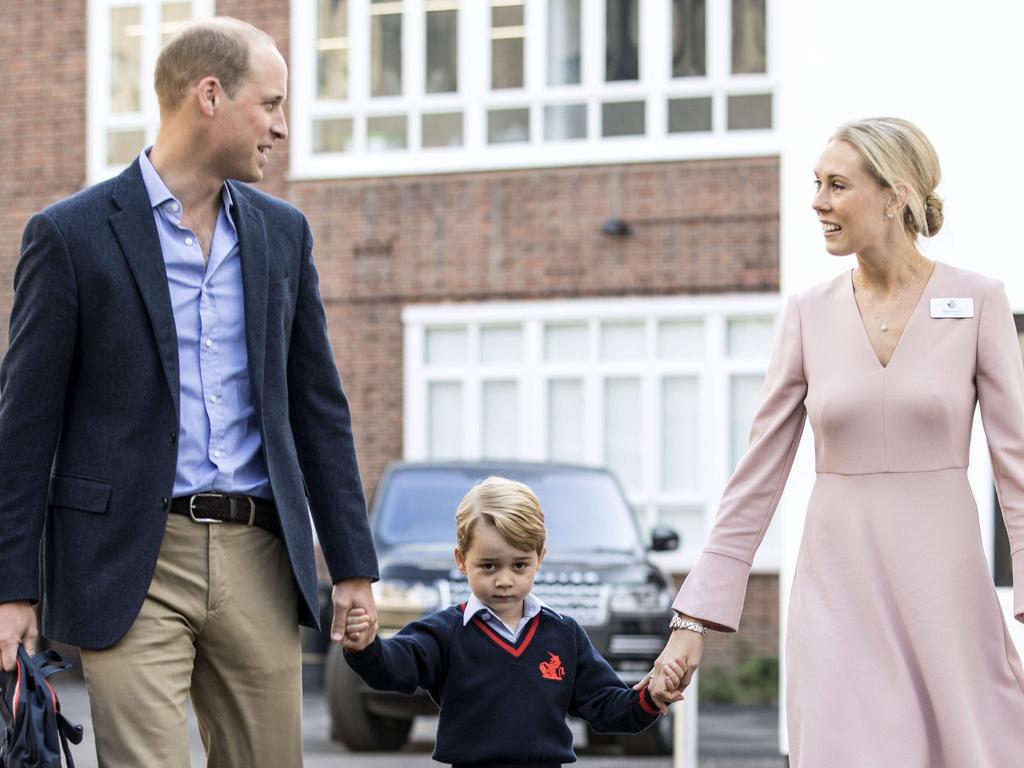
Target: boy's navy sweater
[{"x": 502, "y": 702}]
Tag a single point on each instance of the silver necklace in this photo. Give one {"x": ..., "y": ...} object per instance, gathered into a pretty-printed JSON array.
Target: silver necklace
[{"x": 883, "y": 325}]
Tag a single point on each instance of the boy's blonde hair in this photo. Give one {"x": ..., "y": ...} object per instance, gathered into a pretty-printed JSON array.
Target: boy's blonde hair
[{"x": 509, "y": 507}]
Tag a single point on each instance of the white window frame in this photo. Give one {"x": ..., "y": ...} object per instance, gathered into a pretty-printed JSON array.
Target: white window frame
[
  {"x": 98, "y": 117},
  {"x": 713, "y": 373},
  {"x": 474, "y": 97}
]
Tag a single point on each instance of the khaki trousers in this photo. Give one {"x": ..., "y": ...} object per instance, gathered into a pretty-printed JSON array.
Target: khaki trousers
[{"x": 218, "y": 626}]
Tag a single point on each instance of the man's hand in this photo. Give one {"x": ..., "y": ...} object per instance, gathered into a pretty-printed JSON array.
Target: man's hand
[
  {"x": 347, "y": 595},
  {"x": 17, "y": 625}
]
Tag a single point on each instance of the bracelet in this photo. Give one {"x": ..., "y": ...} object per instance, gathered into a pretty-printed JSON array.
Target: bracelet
[{"x": 678, "y": 622}]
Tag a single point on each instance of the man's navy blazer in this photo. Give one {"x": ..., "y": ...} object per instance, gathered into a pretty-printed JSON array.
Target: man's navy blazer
[{"x": 89, "y": 408}]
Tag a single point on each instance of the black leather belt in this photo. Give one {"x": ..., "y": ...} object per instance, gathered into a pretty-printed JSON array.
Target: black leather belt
[{"x": 229, "y": 508}]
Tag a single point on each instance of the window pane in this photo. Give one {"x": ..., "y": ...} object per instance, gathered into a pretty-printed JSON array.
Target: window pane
[
  {"x": 501, "y": 344},
  {"x": 444, "y": 420},
  {"x": 680, "y": 340},
  {"x": 622, "y": 24},
  {"x": 126, "y": 55},
  {"x": 745, "y": 396},
  {"x": 750, "y": 112},
  {"x": 446, "y": 346},
  {"x": 442, "y": 51},
  {"x": 622, "y": 341},
  {"x": 332, "y": 49},
  {"x": 680, "y": 434},
  {"x": 623, "y": 447},
  {"x": 748, "y": 37},
  {"x": 566, "y": 343},
  {"x": 500, "y": 420},
  {"x": 386, "y": 49},
  {"x": 625, "y": 118},
  {"x": 334, "y": 135},
  {"x": 689, "y": 58},
  {"x": 686, "y": 115},
  {"x": 508, "y": 125},
  {"x": 565, "y": 420},
  {"x": 688, "y": 522},
  {"x": 750, "y": 337},
  {"x": 442, "y": 130},
  {"x": 564, "y": 46},
  {"x": 124, "y": 146},
  {"x": 565, "y": 121},
  {"x": 508, "y": 36},
  {"x": 173, "y": 16},
  {"x": 386, "y": 132}
]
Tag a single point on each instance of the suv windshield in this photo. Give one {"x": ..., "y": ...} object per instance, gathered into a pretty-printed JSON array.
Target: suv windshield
[{"x": 583, "y": 510}]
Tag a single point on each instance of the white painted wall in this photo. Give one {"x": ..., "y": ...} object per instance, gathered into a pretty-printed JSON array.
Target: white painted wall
[{"x": 954, "y": 70}]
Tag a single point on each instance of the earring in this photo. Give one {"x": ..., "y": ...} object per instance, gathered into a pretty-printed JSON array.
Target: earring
[{"x": 889, "y": 215}]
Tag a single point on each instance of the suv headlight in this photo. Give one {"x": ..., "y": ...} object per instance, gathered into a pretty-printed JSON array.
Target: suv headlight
[
  {"x": 399, "y": 602},
  {"x": 639, "y": 598}
]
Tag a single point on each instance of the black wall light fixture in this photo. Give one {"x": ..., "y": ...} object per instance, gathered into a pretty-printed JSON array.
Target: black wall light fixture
[{"x": 616, "y": 228}]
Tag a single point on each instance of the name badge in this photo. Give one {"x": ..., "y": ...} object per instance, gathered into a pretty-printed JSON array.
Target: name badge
[{"x": 952, "y": 307}]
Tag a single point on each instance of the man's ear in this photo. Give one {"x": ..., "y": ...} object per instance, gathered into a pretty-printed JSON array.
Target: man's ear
[
  {"x": 209, "y": 95},
  {"x": 460, "y": 560}
]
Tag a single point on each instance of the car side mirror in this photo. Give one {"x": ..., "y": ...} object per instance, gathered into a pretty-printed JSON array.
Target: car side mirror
[{"x": 663, "y": 539}]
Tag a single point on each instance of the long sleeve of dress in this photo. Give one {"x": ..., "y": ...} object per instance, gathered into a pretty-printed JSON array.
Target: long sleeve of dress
[
  {"x": 715, "y": 589},
  {"x": 1000, "y": 384}
]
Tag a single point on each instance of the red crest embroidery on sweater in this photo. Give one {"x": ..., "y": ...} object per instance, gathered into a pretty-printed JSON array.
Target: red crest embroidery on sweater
[{"x": 552, "y": 669}]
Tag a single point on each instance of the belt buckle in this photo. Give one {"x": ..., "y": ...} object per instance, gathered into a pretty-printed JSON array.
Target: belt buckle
[{"x": 192, "y": 508}]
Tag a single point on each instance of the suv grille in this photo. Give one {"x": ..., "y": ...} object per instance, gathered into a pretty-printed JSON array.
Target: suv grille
[{"x": 587, "y": 603}]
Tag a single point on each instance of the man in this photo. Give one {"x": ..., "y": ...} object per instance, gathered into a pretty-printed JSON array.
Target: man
[{"x": 167, "y": 404}]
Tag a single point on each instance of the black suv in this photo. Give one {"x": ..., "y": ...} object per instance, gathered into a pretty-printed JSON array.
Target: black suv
[{"x": 596, "y": 571}]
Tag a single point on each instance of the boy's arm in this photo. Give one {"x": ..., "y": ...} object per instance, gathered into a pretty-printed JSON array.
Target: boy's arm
[
  {"x": 601, "y": 698},
  {"x": 413, "y": 658}
]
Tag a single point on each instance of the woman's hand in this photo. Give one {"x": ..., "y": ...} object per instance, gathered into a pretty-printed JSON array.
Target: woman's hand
[{"x": 683, "y": 646}]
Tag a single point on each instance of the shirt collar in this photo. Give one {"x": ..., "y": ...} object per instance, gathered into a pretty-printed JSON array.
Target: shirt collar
[
  {"x": 531, "y": 607},
  {"x": 161, "y": 197}
]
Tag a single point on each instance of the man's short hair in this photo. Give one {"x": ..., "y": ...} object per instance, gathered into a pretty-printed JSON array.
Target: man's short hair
[
  {"x": 509, "y": 507},
  {"x": 219, "y": 47}
]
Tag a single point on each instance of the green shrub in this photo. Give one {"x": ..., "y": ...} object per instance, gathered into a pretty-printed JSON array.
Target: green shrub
[{"x": 752, "y": 680}]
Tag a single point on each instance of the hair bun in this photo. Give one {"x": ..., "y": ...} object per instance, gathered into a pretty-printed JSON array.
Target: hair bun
[{"x": 932, "y": 214}]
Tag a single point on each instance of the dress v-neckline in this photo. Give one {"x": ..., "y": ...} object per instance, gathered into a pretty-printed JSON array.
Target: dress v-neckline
[{"x": 910, "y": 320}]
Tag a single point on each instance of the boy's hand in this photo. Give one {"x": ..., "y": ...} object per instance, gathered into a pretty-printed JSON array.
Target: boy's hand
[
  {"x": 666, "y": 687},
  {"x": 359, "y": 630}
]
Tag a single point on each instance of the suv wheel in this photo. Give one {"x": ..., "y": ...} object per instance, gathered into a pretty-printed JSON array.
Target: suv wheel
[
  {"x": 656, "y": 740},
  {"x": 351, "y": 723}
]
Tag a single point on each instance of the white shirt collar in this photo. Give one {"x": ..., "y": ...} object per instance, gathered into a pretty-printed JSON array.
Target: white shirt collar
[{"x": 531, "y": 607}]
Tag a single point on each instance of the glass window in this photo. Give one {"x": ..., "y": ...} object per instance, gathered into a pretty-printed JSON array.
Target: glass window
[
  {"x": 681, "y": 340},
  {"x": 386, "y": 132},
  {"x": 442, "y": 71},
  {"x": 508, "y": 38},
  {"x": 566, "y": 343},
  {"x": 745, "y": 396},
  {"x": 688, "y": 115},
  {"x": 623, "y": 439},
  {"x": 385, "y": 48},
  {"x": 680, "y": 434},
  {"x": 444, "y": 420},
  {"x": 124, "y": 146},
  {"x": 750, "y": 337},
  {"x": 565, "y": 48},
  {"x": 622, "y": 118},
  {"x": 332, "y": 49},
  {"x": 622, "y": 341},
  {"x": 173, "y": 16},
  {"x": 500, "y": 421},
  {"x": 622, "y": 51},
  {"x": 501, "y": 344},
  {"x": 125, "y": 59},
  {"x": 750, "y": 112},
  {"x": 689, "y": 57},
  {"x": 332, "y": 135},
  {"x": 443, "y": 129},
  {"x": 566, "y": 421},
  {"x": 446, "y": 346},
  {"x": 565, "y": 121},
  {"x": 508, "y": 125},
  {"x": 748, "y": 37}
]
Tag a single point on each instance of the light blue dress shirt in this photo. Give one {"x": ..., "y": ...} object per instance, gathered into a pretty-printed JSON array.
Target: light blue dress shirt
[
  {"x": 531, "y": 607},
  {"x": 219, "y": 446}
]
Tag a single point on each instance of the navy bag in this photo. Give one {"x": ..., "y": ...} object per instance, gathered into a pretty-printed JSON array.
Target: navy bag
[{"x": 34, "y": 731}]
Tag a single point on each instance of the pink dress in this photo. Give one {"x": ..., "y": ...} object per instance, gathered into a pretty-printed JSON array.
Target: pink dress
[{"x": 898, "y": 653}]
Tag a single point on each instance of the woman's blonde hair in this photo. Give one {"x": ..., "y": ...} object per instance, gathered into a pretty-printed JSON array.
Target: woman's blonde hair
[
  {"x": 507, "y": 506},
  {"x": 896, "y": 152}
]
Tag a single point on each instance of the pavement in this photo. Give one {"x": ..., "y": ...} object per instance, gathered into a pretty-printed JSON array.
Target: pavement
[{"x": 729, "y": 737}]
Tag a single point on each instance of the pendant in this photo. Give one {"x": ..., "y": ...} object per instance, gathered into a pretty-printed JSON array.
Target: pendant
[{"x": 884, "y": 327}]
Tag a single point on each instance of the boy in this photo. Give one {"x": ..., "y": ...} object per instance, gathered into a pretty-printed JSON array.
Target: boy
[{"x": 503, "y": 667}]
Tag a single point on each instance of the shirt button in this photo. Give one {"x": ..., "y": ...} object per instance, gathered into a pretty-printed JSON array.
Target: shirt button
[
  {"x": 216, "y": 454},
  {"x": 174, "y": 437},
  {"x": 175, "y": 207},
  {"x": 208, "y": 343},
  {"x": 213, "y": 398},
  {"x": 164, "y": 503},
  {"x": 188, "y": 241}
]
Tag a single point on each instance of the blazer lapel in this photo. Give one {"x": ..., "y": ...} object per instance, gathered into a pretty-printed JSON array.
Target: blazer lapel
[
  {"x": 136, "y": 232},
  {"x": 252, "y": 249}
]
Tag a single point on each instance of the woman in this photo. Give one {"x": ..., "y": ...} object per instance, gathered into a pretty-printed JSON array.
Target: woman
[{"x": 898, "y": 654}]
